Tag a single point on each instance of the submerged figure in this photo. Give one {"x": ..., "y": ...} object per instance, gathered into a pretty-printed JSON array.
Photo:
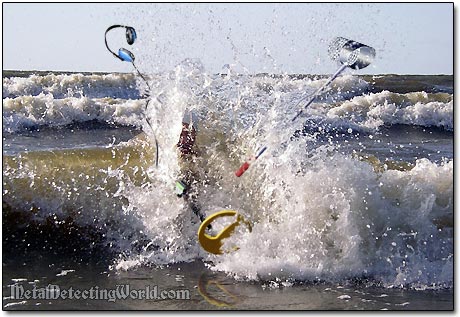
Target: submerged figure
[
  {"x": 186, "y": 147},
  {"x": 188, "y": 135}
]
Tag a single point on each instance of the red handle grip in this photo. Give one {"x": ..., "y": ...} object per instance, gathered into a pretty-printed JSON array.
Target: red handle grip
[{"x": 242, "y": 169}]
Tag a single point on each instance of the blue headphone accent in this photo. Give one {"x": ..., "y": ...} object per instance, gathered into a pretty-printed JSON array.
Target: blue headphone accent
[{"x": 123, "y": 54}]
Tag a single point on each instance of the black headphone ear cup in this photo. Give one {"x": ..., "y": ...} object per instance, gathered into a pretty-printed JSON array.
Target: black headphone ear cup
[{"x": 130, "y": 35}]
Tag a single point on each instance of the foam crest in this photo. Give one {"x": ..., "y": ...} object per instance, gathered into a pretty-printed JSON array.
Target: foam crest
[
  {"x": 340, "y": 220},
  {"x": 386, "y": 108},
  {"x": 44, "y": 109},
  {"x": 70, "y": 85}
]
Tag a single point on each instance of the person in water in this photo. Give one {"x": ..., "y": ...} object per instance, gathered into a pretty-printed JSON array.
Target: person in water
[
  {"x": 188, "y": 134},
  {"x": 186, "y": 147}
]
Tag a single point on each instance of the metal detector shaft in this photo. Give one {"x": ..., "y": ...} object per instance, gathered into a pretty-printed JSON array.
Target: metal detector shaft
[
  {"x": 312, "y": 97},
  {"x": 319, "y": 90},
  {"x": 347, "y": 52}
]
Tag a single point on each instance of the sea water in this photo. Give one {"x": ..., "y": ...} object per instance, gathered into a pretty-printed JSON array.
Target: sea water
[{"x": 351, "y": 205}]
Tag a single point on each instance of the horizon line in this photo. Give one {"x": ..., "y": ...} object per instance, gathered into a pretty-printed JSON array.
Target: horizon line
[{"x": 222, "y": 74}]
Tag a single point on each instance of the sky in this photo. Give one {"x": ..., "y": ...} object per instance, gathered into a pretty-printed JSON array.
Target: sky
[{"x": 409, "y": 38}]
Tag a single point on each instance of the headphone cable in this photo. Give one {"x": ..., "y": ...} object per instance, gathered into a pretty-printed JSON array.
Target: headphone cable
[
  {"x": 146, "y": 117},
  {"x": 142, "y": 76}
]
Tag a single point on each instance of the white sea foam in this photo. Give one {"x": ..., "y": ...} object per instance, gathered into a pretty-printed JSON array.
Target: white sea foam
[
  {"x": 329, "y": 217},
  {"x": 345, "y": 105},
  {"x": 341, "y": 220},
  {"x": 72, "y": 85},
  {"x": 372, "y": 111},
  {"x": 43, "y": 109}
]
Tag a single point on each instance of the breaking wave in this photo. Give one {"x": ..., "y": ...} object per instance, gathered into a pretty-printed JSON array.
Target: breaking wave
[{"x": 317, "y": 213}]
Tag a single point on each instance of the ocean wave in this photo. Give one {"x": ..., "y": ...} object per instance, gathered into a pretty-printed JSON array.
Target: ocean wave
[
  {"x": 73, "y": 85},
  {"x": 321, "y": 215},
  {"x": 44, "y": 109},
  {"x": 57, "y": 100},
  {"x": 330, "y": 217},
  {"x": 341, "y": 220},
  {"x": 79, "y": 187},
  {"x": 372, "y": 111}
]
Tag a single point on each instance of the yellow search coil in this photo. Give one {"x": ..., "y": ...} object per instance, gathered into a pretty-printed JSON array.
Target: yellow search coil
[{"x": 213, "y": 244}]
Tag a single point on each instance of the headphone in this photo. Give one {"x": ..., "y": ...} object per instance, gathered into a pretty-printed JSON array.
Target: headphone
[
  {"x": 126, "y": 56},
  {"x": 123, "y": 54}
]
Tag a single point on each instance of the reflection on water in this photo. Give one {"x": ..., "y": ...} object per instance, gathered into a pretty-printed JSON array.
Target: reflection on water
[
  {"x": 215, "y": 293},
  {"x": 208, "y": 290}
]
